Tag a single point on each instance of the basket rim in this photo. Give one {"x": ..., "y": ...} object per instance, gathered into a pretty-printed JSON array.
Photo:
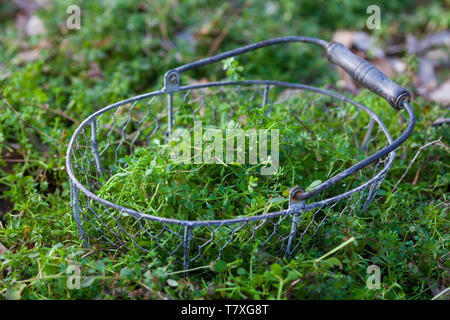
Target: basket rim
[{"x": 75, "y": 183}]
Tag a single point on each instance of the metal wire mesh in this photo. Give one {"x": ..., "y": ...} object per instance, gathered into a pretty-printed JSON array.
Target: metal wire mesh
[{"x": 102, "y": 142}]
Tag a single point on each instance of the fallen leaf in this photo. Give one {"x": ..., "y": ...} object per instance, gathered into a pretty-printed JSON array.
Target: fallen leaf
[
  {"x": 440, "y": 121},
  {"x": 28, "y": 56},
  {"x": 441, "y": 94},
  {"x": 27, "y": 5},
  {"x": 26, "y": 231},
  {"x": 3, "y": 249},
  {"x": 363, "y": 41},
  {"x": 21, "y": 21},
  {"x": 95, "y": 72},
  {"x": 345, "y": 37},
  {"x": 35, "y": 27},
  {"x": 426, "y": 74},
  {"x": 397, "y": 64},
  {"x": 384, "y": 65},
  {"x": 136, "y": 293},
  {"x": 433, "y": 40}
]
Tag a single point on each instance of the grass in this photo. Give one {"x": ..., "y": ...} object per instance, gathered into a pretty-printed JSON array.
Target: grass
[
  {"x": 222, "y": 190},
  {"x": 404, "y": 233}
]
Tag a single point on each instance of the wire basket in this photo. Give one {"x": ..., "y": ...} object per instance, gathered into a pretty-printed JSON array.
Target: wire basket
[{"x": 102, "y": 142}]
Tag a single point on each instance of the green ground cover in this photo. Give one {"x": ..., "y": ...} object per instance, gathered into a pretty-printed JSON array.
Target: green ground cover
[{"x": 123, "y": 49}]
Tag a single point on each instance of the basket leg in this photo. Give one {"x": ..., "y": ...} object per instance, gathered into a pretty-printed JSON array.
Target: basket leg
[
  {"x": 292, "y": 235},
  {"x": 76, "y": 213},
  {"x": 364, "y": 143},
  {"x": 187, "y": 244},
  {"x": 169, "y": 115},
  {"x": 372, "y": 193},
  {"x": 266, "y": 100},
  {"x": 94, "y": 147},
  {"x": 297, "y": 207}
]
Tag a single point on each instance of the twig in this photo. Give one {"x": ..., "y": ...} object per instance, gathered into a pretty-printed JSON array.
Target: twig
[
  {"x": 40, "y": 269},
  {"x": 441, "y": 121},
  {"x": 24, "y": 121},
  {"x": 416, "y": 177},
  {"x": 188, "y": 270},
  {"x": 15, "y": 160},
  {"x": 60, "y": 113},
  {"x": 368, "y": 134},
  {"x": 218, "y": 41},
  {"x": 438, "y": 142},
  {"x": 441, "y": 294},
  {"x": 304, "y": 125},
  {"x": 339, "y": 247},
  {"x": 291, "y": 286}
]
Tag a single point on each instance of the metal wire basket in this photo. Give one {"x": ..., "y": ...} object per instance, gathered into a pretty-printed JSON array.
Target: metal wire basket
[{"x": 101, "y": 142}]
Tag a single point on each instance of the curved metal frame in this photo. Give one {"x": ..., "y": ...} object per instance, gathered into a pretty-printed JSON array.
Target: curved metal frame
[
  {"x": 137, "y": 214},
  {"x": 360, "y": 70}
]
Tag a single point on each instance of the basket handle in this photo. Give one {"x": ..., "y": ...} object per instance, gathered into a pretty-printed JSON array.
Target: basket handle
[
  {"x": 359, "y": 69},
  {"x": 367, "y": 75},
  {"x": 172, "y": 77}
]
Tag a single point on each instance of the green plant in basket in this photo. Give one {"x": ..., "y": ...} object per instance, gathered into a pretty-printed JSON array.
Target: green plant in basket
[{"x": 153, "y": 182}]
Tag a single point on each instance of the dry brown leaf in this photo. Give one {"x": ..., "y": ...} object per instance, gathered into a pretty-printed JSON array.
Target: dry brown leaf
[
  {"x": 345, "y": 37},
  {"x": 94, "y": 71},
  {"x": 361, "y": 41},
  {"x": 426, "y": 74},
  {"x": 433, "y": 40},
  {"x": 28, "y": 56},
  {"x": 35, "y": 26},
  {"x": 27, "y": 5},
  {"x": 441, "y": 94},
  {"x": 384, "y": 65},
  {"x": 3, "y": 249}
]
